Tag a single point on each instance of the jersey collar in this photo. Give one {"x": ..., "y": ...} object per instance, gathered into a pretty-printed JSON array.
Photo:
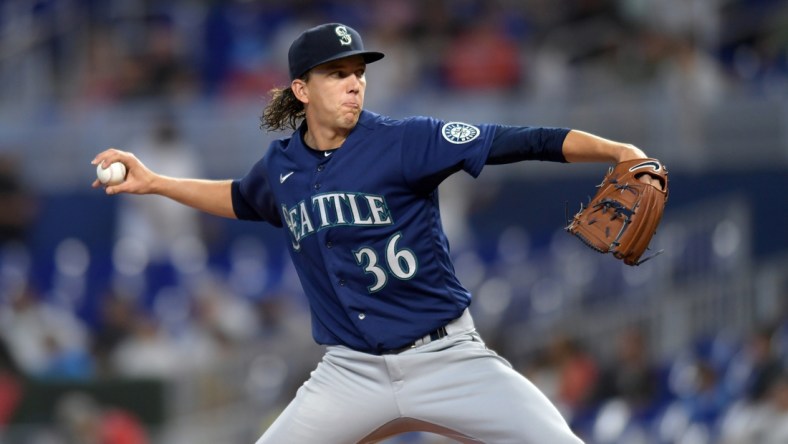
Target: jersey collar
[{"x": 365, "y": 123}]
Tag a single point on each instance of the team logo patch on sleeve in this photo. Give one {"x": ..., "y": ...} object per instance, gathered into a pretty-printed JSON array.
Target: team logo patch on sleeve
[{"x": 458, "y": 132}]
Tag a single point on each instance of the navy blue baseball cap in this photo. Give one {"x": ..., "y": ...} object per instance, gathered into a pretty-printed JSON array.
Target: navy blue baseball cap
[{"x": 325, "y": 43}]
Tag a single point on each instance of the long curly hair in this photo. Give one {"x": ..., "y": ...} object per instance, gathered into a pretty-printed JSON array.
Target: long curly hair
[{"x": 284, "y": 110}]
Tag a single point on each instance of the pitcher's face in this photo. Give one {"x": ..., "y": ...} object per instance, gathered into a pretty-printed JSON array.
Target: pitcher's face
[{"x": 334, "y": 92}]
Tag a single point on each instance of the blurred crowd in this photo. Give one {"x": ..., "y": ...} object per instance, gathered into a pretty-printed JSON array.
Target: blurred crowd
[
  {"x": 721, "y": 389},
  {"x": 99, "y": 53}
]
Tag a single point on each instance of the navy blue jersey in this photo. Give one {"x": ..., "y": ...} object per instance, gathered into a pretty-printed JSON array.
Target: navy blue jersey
[{"x": 363, "y": 225}]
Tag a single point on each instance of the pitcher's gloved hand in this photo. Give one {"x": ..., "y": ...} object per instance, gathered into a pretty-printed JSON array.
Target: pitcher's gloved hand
[{"x": 624, "y": 214}]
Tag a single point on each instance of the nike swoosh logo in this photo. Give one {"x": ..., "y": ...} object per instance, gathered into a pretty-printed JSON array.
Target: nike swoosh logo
[
  {"x": 283, "y": 177},
  {"x": 654, "y": 166},
  {"x": 327, "y": 153}
]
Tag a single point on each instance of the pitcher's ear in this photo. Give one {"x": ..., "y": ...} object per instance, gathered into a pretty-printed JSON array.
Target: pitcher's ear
[{"x": 300, "y": 90}]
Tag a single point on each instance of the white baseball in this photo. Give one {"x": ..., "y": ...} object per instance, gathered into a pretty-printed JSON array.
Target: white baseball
[{"x": 113, "y": 175}]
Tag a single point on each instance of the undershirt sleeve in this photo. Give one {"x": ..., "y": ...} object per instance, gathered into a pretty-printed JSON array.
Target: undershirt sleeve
[{"x": 514, "y": 144}]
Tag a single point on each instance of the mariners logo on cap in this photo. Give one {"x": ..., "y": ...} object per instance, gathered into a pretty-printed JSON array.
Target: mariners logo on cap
[
  {"x": 458, "y": 132},
  {"x": 344, "y": 36}
]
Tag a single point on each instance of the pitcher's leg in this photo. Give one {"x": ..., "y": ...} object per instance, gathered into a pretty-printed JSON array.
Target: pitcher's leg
[
  {"x": 347, "y": 397},
  {"x": 475, "y": 392}
]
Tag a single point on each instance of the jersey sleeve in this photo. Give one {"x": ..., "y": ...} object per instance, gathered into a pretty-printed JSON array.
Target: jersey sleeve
[
  {"x": 253, "y": 198},
  {"x": 433, "y": 150}
]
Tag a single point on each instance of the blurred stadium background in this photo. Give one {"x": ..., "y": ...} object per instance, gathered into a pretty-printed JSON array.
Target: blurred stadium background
[{"x": 131, "y": 320}]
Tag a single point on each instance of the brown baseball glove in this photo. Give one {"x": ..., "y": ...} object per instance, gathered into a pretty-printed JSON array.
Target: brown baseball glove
[{"x": 623, "y": 215}]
